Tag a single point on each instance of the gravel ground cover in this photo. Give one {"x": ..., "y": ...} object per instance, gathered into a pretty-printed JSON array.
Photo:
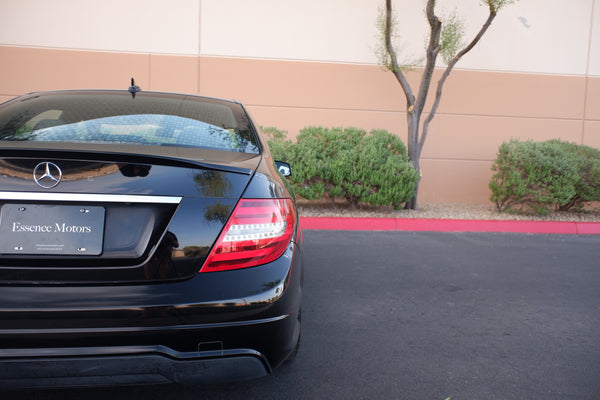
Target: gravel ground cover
[{"x": 442, "y": 211}]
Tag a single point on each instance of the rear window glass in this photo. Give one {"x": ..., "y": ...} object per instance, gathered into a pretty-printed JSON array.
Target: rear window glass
[{"x": 118, "y": 117}]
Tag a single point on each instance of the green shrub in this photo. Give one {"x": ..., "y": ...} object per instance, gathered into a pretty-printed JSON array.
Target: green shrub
[
  {"x": 279, "y": 145},
  {"x": 347, "y": 163},
  {"x": 587, "y": 186},
  {"x": 543, "y": 176}
]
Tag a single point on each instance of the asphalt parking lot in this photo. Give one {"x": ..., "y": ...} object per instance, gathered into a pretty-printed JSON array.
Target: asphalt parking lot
[{"x": 422, "y": 315}]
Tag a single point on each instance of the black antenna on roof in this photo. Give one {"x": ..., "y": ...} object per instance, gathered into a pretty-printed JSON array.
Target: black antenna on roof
[{"x": 133, "y": 89}]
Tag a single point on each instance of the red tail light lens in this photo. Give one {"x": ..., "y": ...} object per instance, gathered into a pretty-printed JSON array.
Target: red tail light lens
[{"x": 258, "y": 232}]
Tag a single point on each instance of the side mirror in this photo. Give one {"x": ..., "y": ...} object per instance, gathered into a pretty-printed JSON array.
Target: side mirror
[{"x": 284, "y": 168}]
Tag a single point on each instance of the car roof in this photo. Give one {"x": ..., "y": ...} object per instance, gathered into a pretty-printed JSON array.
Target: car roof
[{"x": 123, "y": 91}]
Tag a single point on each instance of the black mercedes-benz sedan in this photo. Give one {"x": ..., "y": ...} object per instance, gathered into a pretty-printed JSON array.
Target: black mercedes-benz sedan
[{"x": 145, "y": 237}]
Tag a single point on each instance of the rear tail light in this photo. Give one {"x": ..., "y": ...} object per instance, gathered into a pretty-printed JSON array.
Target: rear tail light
[{"x": 259, "y": 231}]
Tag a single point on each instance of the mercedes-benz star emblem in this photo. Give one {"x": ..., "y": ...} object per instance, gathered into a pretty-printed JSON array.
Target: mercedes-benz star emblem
[{"x": 47, "y": 175}]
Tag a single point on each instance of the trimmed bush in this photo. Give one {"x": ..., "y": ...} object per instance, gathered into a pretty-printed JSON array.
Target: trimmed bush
[
  {"x": 587, "y": 186},
  {"x": 545, "y": 176},
  {"x": 278, "y": 143},
  {"x": 347, "y": 163}
]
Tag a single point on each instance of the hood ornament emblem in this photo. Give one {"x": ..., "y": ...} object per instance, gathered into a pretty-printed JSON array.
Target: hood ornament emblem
[{"x": 47, "y": 175}]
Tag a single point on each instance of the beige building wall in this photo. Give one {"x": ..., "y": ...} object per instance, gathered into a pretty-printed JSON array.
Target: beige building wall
[{"x": 535, "y": 75}]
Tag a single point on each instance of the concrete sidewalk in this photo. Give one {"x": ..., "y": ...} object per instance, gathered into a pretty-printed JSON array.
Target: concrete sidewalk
[{"x": 449, "y": 225}]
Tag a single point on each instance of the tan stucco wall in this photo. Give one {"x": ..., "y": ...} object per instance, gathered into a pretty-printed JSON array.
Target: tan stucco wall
[
  {"x": 535, "y": 75},
  {"x": 479, "y": 110}
]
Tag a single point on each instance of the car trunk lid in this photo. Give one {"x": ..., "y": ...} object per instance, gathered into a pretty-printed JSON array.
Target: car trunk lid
[{"x": 120, "y": 213}]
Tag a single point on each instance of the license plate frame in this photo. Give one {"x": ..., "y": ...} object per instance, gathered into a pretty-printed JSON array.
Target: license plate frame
[{"x": 41, "y": 229}]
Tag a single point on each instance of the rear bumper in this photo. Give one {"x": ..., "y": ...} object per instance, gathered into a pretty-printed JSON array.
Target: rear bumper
[
  {"x": 114, "y": 366},
  {"x": 241, "y": 351},
  {"x": 149, "y": 334}
]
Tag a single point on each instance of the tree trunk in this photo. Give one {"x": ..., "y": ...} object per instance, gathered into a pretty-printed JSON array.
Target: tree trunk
[
  {"x": 414, "y": 118},
  {"x": 416, "y": 105}
]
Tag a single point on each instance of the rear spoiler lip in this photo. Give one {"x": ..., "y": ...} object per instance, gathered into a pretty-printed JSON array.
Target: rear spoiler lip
[{"x": 239, "y": 163}]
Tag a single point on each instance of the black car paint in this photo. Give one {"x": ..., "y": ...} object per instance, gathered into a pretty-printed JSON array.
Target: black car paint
[
  {"x": 119, "y": 312},
  {"x": 209, "y": 196},
  {"x": 230, "y": 311}
]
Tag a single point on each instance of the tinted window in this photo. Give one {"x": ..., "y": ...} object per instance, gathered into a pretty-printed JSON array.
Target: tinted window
[{"x": 117, "y": 117}]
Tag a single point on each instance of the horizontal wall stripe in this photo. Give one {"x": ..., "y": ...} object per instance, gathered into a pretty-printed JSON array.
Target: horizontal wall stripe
[
  {"x": 479, "y": 110},
  {"x": 42, "y": 69}
]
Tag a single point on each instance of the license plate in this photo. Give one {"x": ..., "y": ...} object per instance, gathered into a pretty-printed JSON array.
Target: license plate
[{"x": 51, "y": 229}]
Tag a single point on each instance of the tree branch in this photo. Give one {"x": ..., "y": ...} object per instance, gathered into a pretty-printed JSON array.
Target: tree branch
[
  {"x": 433, "y": 49},
  {"x": 438, "y": 93},
  {"x": 410, "y": 98}
]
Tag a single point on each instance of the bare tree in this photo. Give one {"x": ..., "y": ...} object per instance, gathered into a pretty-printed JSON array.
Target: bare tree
[{"x": 445, "y": 39}]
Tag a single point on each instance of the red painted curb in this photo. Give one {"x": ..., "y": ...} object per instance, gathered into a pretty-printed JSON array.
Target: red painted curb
[
  {"x": 588, "y": 228},
  {"x": 449, "y": 225}
]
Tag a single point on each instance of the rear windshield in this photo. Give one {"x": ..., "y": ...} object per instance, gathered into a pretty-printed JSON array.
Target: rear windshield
[{"x": 118, "y": 117}]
